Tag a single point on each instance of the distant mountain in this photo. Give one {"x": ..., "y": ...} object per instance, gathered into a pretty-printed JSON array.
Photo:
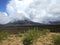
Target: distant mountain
[
  {"x": 28, "y": 22},
  {"x": 54, "y": 23},
  {"x": 22, "y": 23}
]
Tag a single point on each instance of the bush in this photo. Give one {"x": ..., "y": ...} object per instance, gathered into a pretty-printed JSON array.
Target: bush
[
  {"x": 20, "y": 34},
  {"x": 27, "y": 41},
  {"x": 3, "y": 35},
  {"x": 32, "y": 35},
  {"x": 56, "y": 40},
  {"x": 45, "y": 31}
]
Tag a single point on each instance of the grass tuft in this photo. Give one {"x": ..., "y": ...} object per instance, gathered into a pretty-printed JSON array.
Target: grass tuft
[
  {"x": 3, "y": 35},
  {"x": 32, "y": 35},
  {"x": 56, "y": 40}
]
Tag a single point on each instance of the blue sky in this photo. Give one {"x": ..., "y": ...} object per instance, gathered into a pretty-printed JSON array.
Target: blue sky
[{"x": 3, "y": 4}]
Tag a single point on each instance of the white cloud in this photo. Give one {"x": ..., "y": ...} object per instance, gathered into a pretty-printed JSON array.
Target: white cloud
[
  {"x": 4, "y": 18},
  {"x": 45, "y": 11},
  {"x": 41, "y": 11},
  {"x": 16, "y": 9}
]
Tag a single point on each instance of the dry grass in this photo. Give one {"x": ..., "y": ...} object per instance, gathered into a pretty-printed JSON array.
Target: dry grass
[
  {"x": 13, "y": 40},
  {"x": 16, "y": 40}
]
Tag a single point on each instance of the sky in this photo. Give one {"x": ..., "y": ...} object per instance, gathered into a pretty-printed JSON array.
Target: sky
[
  {"x": 3, "y": 4},
  {"x": 41, "y": 11}
]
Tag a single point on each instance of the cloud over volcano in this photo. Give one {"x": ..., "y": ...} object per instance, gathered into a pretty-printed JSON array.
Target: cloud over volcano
[{"x": 41, "y": 11}]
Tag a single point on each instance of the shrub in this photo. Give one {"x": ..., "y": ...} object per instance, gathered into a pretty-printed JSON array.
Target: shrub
[
  {"x": 20, "y": 34},
  {"x": 3, "y": 35},
  {"x": 56, "y": 40},
  {"x": 27, "y": 41},
  {"x": 32, "y": 35},
  {"x": 45, "y": 31}
]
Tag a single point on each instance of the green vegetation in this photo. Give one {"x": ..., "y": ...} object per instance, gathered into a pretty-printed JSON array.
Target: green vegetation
[
  {"x": 32, "y": 35},
  {"x": 56, "y": 40},
  {"x": 20, "y": 34},
  {"x": 3, "y": 35}
]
